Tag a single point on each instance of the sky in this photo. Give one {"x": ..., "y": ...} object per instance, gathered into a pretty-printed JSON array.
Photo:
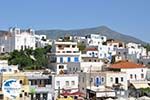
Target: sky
[{"x": 130, "y": 17}]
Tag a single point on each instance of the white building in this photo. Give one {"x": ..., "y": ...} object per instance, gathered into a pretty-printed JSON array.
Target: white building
[
  {"x": 115, "y": 43},
  {"x": 65, "y": 83},
  {"x": 95, "y": 39},
  {"x": 136, "y": 49},
  {"x": 135, "y": 72},
  {"x": 42, "y": 41},
  {"x": 16, "y": 39},
  {"x": 117, "y": 78},
  {"x": 63, "y": 53},
  {"x": 90, "y": 52},
  {"x": 5, "y": 68},
  {"x": 102, "y": 84},
  {"x": 106, "y": 51},
  {"x": 80, "y": 39}
]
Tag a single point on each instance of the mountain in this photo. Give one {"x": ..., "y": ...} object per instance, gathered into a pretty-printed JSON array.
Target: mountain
[{"x": 102, "y": 30}]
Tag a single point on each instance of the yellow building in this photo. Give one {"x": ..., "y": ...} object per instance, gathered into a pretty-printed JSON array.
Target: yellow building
[
  {"x": 23, "y": 92},
  {"x": 62, "y": 98}
]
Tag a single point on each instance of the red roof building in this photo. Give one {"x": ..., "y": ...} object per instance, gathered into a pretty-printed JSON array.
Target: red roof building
[{"x": 126, "y": 65}]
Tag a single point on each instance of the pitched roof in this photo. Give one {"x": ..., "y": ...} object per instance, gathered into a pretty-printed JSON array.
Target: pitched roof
[{"x": 126, "y": 65}]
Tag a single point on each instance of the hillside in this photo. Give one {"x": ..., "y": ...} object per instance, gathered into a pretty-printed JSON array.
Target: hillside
[{"x": 103, "y": 30}]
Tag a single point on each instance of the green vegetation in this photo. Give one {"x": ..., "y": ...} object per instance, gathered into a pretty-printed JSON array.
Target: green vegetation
[
  {"x": 30, "y": 59},
  {"x": 81, "y": 46},
  {"x": 147, "y": 47},
  {"x": 145, "y": 90}
]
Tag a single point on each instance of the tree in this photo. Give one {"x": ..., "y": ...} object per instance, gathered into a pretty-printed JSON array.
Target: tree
[
  {"x": 30, "y": 59},
  {"x": 81, "y": 46}
]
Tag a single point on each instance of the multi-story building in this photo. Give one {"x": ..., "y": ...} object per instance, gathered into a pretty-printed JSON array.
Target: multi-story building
[
  {"x": 90, "y": 52},
  {"x": 95, "y": 39},
  {"x": 40, "y": 86},
  {"x": 103, "y": 84},
  {"x": 106, "y": 51},
  {"x": 65, "y": 83},
  {"x": 42, "y": 41},
  {"x": 17, "y": 84},
  {"x": 115, "y": 43},
  {"x": 63, "y": 53},
  {"x": 16, "y": 39},
  {"x": 136, "y": 49},
  {"x": 135, "y": 72}
]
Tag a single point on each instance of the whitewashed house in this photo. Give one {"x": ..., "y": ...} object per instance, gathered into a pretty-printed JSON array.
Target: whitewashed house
[
  {"x": 115, "y": 43},
  {"x": 42, "y": 41},
  {"x": 17, "y": 39},
  {"x": 62, "y": 54},
  {"x": 105, "y": 51},
  {"x": 95, "y": 39},
  {"x": 65, "y": 83},
  {"x": 135, "y": 72},
  {"x": 136, "y": 49}
]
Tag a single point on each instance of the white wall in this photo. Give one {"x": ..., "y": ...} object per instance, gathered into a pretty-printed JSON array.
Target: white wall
[
  {"x": 87, "y": 66},
  {"x": 111, "y": 76},
  {"x": 135, "y": 71},
  {"x": 62, "y": 82}
]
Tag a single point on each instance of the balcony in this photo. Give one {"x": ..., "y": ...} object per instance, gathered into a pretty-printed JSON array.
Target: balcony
[{"x": 40, "y": 89}]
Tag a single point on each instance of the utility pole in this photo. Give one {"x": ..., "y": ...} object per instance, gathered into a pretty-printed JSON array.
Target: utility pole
[
  {"x": 90, "y": 77},
  {"x": 90, "y": 81}
]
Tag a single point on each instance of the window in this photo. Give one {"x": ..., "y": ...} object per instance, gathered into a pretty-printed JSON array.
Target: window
[
  {"x": 89, "y": 60},
  {"x": 82, "y": 88},
  {"x": 25, "y": 94},
  {"x": 89, "y": 53},
  {"x": 69, "y": 69},
  {"x": 83, "y": 79},
  {"x": 73, "y": 46},
  {"x": 69, "y": 59},
  {"x": 91, "y": 79},
  {"x": 135, "y": 76},
  {"x": 142, "y": 75},
  {"x": 68, "y": 51},
  {"x": 72, "y": 82},
  {"x": 20, "y": 95},
  {"x": 58, "y": 83},
  {"x": 111, "y": 79},
  {"x": 67, "y": 83},
  {"x": 59, "y": 46},
  {"x": 67, "y": 46},
  {"x": 76, "y": 59},
  {"x": 105, "y": 54},
  {"x": 102, "y": 79},
  {"x": 61, "y": 59},
  {"x": 20, "y": 81},
  {"x": 100, "y": 55},
  {"x": 61, "y": 66},
  {"x": 141, "y": 70},
  {"x": 131, "y": 76},
  {"x": 121, "y": 79}
]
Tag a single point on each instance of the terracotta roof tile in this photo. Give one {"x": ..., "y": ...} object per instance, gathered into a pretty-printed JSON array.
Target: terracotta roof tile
[
  {"x": 91, "y": 49},
  {"x": 126, "y": 64}
]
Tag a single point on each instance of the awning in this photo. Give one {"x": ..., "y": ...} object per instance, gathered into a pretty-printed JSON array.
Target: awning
[{"x": 140, "y": 85}]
